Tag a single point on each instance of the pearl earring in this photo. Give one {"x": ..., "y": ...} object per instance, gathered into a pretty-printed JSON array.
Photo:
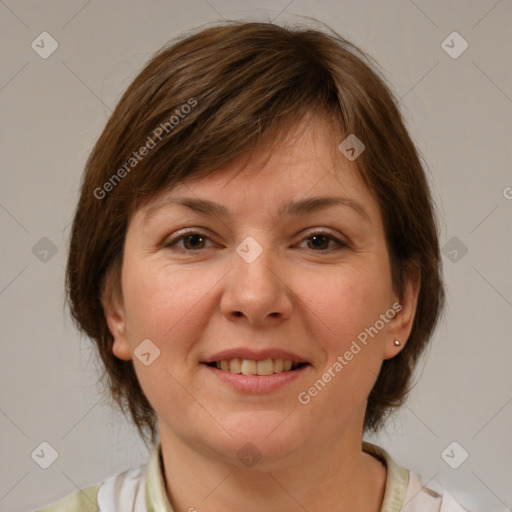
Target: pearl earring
[{"x": 397, "y": 343}]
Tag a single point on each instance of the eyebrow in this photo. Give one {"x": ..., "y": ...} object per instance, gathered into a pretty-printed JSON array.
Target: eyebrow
[{"x": 295, "y": 208}]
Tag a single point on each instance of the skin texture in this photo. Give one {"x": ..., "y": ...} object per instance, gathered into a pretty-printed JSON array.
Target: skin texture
[{"x": 197, "y": 296}]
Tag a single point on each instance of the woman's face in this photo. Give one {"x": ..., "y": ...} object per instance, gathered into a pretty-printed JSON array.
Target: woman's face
[{"x": 286, "y": 261}]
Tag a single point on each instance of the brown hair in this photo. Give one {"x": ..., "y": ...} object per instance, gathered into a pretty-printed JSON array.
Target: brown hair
[{"x": 206, "y": 99}]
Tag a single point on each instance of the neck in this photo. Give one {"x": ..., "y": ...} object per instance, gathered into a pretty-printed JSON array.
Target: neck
[{"x": 340, "y": 477}]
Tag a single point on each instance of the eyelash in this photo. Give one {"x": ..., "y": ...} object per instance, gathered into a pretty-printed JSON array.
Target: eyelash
[{"x": 186, "y": 234}]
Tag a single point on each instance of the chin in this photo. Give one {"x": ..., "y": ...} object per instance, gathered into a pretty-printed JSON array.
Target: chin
[{"x": 263, "y": 445}]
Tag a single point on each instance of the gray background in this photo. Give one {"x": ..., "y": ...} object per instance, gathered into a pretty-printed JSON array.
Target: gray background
[{"x": 52, "y": 111}]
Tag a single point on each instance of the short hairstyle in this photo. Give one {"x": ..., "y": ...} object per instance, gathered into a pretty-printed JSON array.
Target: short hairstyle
[{"x": 205, "y": 99}]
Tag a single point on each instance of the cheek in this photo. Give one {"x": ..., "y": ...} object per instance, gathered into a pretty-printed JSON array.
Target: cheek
[
  {"x": 357, "y": 299},
  {"x": 161, "y": 300},
  {"x": 347, "y": 302},
  {"x": 162, "y": 305}
]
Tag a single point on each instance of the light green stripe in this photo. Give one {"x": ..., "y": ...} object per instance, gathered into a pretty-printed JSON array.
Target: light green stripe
[
  {"x": 156, "y": 498},
  {"x": 397, "y": 479}
]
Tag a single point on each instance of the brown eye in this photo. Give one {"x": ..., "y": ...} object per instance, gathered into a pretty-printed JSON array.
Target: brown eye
[
  {"x": 192, "y": 241},
  {"x": 320, "y": 242},
  {"x": 195, "y": 241}
]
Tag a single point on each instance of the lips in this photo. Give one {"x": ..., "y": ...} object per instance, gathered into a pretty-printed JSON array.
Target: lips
[
  {"x": 251, "y": 362},
  {"x": 252, "y": 367}
]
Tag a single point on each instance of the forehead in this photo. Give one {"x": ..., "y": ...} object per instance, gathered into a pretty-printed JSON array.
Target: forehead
[
  {"x": 306, "y": 164},
  {"x": 308, "y": 158}
]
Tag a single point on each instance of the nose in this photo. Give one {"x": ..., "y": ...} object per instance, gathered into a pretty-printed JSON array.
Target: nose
[{"x": 256, "y": 291}]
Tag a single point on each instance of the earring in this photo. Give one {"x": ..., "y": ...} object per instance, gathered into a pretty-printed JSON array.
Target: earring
[{"x": 397, "y": 343}]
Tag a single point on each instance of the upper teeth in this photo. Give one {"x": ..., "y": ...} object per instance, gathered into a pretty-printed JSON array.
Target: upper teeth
[{"x": 250, "y": 367}]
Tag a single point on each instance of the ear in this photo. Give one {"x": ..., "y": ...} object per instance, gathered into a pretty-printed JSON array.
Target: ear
[
  {"x": 399, "y": 328},
  {"x": 113, "y": 309}
]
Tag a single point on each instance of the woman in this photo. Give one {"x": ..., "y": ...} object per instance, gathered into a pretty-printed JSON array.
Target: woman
[{"x": 255, "y": 254}]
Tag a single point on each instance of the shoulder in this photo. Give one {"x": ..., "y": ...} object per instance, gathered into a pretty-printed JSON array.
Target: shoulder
[
  {"x": 423, "y": 499},
  {"x": 405, "y": 490},
  {"x": 118, "y": 493},
  {"x": 81, "y": 500}
]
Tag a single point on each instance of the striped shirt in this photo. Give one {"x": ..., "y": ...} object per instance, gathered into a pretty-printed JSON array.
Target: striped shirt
[{"x": 143, "y": 490}]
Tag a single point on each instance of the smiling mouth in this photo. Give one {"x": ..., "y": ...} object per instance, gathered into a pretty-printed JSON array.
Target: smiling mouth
[{"x": 252, "y": 367}]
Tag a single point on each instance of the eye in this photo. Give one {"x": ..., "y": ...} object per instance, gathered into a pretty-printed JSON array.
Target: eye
[
  {"x": 192, "y": 241},
  {"x": 320, "y": 241}
]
